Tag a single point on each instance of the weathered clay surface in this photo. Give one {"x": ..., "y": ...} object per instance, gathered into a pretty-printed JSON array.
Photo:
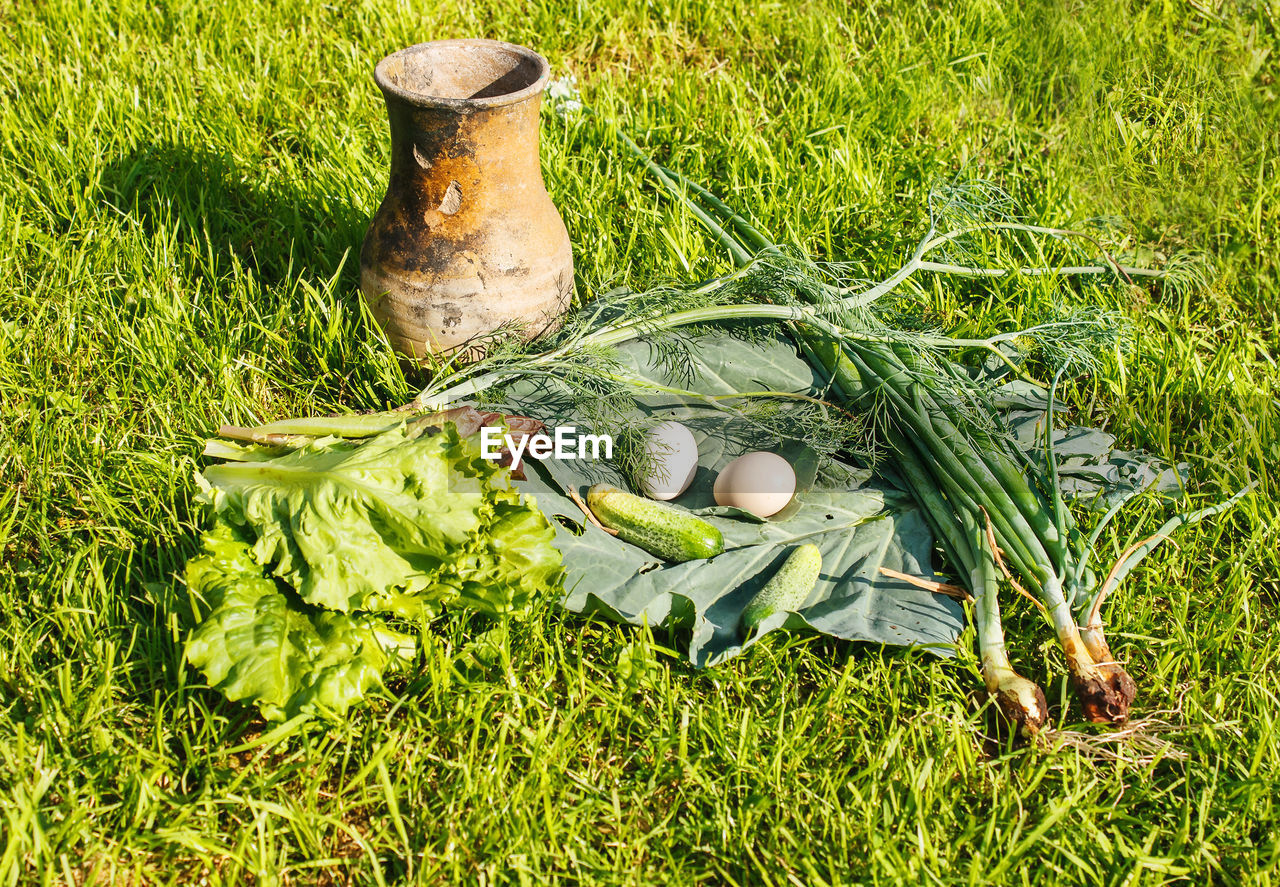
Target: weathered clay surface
[{"x": 467, "y": 240}]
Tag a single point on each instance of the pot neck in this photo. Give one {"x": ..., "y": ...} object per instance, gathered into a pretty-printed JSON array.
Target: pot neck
[{"x": 499, "y": 143}]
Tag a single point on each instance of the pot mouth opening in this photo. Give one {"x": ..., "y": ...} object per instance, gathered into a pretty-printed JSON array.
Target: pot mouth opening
[{"x": 463, "y": 73}]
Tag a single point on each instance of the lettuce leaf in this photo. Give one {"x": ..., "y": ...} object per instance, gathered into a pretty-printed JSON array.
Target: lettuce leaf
[
  {"x": 510, "y": 564},
  {"x": 397, "y": 523},
  {"x": 404, "y": 522},
  {"x": 257, "y": 644}
]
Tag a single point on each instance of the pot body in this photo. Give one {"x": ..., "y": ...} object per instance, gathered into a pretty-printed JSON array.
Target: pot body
[{"x": 467, "y": 241}]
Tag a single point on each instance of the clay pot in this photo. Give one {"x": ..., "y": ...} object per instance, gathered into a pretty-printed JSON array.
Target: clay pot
[{"x": 467, "y": 241}]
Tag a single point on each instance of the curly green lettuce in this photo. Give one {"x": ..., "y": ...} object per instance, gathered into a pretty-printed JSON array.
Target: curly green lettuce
[
  {"x": 397, "y": 523},
  {"x": 400, "y": 524},
  {"x": 257, "y": 644}
]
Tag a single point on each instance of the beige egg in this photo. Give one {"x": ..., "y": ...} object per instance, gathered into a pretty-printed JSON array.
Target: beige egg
[
  {"x": 673, "y": 455},
  {"x": 761, "y": 482}
]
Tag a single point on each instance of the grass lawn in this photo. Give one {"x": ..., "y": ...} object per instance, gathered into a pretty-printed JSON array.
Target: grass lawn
[{"x": 185, "y": 187}]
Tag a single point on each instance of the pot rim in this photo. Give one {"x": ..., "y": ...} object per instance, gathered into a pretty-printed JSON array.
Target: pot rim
[{"x": 423, "y": 100}]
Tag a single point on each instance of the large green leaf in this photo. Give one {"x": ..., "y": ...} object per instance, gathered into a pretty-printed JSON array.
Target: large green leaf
[
  {"x": 1091, "y": 468},
  {"x": 859, "y": 530},
  {"x": 860, "y": 525}
]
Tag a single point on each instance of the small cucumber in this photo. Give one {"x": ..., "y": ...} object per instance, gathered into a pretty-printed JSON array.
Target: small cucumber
[
  {"x": 788, "y": 588},
  {"x": 662, "y": 530}
]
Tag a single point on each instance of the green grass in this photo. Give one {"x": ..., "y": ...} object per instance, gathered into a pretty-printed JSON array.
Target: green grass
[{"x": 185, "y": 186}]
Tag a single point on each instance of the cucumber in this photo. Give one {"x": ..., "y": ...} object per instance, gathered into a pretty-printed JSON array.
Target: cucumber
[
  {"x": 788, "y": 588},
  {"x": 662, "y": 530}
]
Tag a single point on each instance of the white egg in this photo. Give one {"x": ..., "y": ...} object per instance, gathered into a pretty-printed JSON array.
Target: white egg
[
  {"x": 762, "y": 483},
  {"x": 673, "y": 454}
]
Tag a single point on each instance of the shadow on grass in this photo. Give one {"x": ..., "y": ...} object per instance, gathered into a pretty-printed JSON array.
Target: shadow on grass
[
  {"x": 231, "y": 224},
  {"x": 231, "y": 217}
]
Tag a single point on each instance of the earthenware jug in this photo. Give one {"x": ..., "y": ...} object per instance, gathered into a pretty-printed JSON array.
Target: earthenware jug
[{"x": 467, "y": 241}]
